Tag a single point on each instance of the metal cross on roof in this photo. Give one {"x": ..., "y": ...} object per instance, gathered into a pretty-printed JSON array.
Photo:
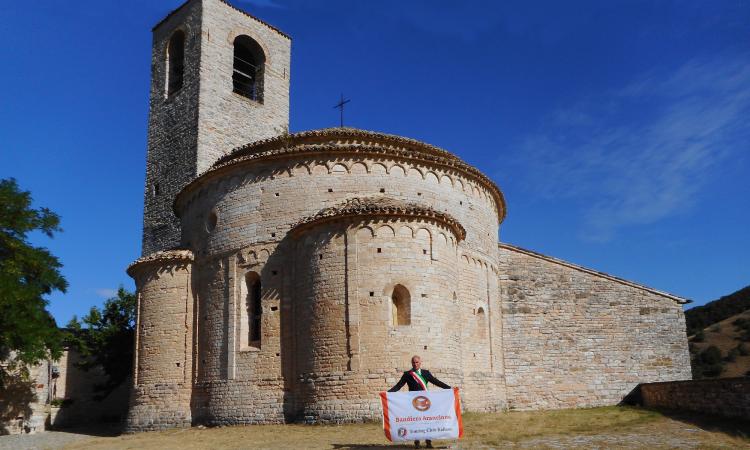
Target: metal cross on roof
[{"x": 340, "y": 106}]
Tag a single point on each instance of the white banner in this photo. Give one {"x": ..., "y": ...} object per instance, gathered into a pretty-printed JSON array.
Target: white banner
[{"x": 420, "y": 415}]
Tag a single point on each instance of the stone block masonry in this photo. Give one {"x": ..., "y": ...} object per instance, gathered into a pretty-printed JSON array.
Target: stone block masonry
[
  {"x": 190, "y": 128},
  {"x": 292, "y": 278},
  {"x": 726, "y": 397},
  {"x": 574, "y": 337}
]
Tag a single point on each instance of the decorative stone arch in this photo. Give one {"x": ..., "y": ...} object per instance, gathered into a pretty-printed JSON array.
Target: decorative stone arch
[
  {"x": 406, "y": 231},
  {"x": 398, "y": 168},
  {"x": 339, "y": 168},
  {"x": 301, "y": 169},
  {"x": 358, "y": 168},
  {"x": 385, "y": 230},
  {"x": 400, "y": 306},
  {"x": 237, "y": 32},
  {"x": 379, "y": 168},
  {"x": 446, "y": 179},
  {"x": 364, "y": 234},
  {"x": 411, "y": 172},
  {"x": 431, "y": 177},
  {"x": 320, "y": 169}
]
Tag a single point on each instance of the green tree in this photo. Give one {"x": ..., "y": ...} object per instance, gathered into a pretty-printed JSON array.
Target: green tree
[
  {"x": 27, "y": 274},
  {"x": 107, "y": 339}
]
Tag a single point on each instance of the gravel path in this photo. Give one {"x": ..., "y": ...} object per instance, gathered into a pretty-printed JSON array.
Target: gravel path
[{"x": 41, "y": 440}]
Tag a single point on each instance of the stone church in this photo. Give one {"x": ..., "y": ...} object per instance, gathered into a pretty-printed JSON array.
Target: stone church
[{"x": 290, "y": 277}]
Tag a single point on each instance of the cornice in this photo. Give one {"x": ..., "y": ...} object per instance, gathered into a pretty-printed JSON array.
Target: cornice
[
  {"x": 267, "y": 25},
  {"x": 379, "y": 207},
  {"x": 345, "y": 141},
  {"x": 161, "y": 257}
]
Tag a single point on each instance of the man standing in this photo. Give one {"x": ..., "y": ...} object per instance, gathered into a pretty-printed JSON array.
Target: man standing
[{"x": 417, "y": 379}]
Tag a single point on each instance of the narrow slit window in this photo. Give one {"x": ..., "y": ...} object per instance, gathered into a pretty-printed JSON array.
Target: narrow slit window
[
  {"x": 481, "y": 324},
  {"x": 400, "y": 306},
  {"x": 254, "y": 309}
]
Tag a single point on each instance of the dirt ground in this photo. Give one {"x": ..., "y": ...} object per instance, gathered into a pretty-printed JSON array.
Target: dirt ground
[{"x": 612, "y": 427}]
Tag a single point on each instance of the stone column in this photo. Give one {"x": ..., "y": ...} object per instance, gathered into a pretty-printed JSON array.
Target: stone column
[{"x": 163, "y": 363}]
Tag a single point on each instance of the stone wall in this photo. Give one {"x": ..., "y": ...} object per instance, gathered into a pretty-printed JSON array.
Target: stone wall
[
  {"x": 260, "y": 202},
  {"x": 509, "y": 327},
  {"x": 326, "y": 363},
  {"x": 172, "y": 129},
  {"x": 188, "y": 130},
  {"x": 163, "y": 369},
  {"x": 577, "y": 338},
  {"x": 83, "y": 403},
  {"x": 24, "y": 397},
  {"x": 227, "y": 119},
  {"x": 727, "y": 397}
]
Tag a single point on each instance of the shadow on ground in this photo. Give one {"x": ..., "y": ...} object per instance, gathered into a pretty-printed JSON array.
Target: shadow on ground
[
  {"x": 371, "y": 446},
  {"x": 732, "y": 427},
  {"x": 96, "y": 430}
]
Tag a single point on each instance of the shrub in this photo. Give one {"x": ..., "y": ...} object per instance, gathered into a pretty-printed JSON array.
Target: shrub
[
  {"x": 61, "y": 402},
  {"x": 743, "y": 349},
  {"x": 711, "y": 355},
  {"x": 713, "y": 370},
  {"x": 732, "y": 355},
  {"x": 700, "y": 336}
]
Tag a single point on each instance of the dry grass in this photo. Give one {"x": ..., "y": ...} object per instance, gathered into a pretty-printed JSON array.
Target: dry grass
[
  {"x": 726, "y": 337},
  {"x": 610, "y": 427},
  {"x": 516, "y": 426}
]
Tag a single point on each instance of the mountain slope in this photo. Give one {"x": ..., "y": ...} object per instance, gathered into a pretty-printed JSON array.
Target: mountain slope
[{"x": 700, "y": 317}]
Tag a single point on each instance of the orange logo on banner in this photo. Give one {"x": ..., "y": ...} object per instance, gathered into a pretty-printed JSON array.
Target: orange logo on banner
[{"x": 421, "y": 403}]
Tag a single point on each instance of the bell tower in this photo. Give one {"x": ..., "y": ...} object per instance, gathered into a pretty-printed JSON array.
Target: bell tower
[{"x": 219, "y": 80}]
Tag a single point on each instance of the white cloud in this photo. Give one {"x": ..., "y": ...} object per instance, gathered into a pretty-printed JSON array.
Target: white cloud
[
  {"x": 106, "y": 293},
  {"x": 641, "y": 154}
]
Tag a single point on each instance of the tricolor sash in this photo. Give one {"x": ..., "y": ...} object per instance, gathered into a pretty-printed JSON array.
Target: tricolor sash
[{"x": 418, "y": 377}]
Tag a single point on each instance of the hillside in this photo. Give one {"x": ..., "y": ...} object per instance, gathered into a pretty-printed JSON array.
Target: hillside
[
  {"x": 700, "y": 317},
  {"x": 731, "y": 337}
]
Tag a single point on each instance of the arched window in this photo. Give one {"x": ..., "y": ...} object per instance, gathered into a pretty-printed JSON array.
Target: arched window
[
  {"x": 400, "y": 306},
  {"x": 249, "y": 61},
  {"x": 175, "y": 62},
  {"x": 254, "y": 308},
  {"x": 481, "y": 323}
]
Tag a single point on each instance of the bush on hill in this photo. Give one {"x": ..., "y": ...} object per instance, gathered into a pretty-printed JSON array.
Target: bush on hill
[
  {"x": 709, "y": 363},
  {"x": 700, "y": 317}
]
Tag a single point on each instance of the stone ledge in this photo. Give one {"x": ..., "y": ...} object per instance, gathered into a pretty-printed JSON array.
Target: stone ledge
[
  {"x": 380, "y": 206},
  {"x": 160, "y": 257},
  {"x": 338, "y": 141},
  {"x": 229, "y": 5}
]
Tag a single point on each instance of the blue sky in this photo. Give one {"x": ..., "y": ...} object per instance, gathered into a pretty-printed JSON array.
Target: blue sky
[{"x": 617, "y": 130}]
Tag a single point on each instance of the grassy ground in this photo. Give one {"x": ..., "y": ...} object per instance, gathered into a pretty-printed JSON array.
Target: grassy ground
[{"x": 610, "y": 427}]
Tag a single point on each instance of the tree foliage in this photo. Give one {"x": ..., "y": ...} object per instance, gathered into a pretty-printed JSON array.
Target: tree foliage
[
  {"x": 27, "y": 274},
  {"x": 708, "y": 363},
  {"x": 701, "y": 317},
  {"x": 107, "y": 339}
]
